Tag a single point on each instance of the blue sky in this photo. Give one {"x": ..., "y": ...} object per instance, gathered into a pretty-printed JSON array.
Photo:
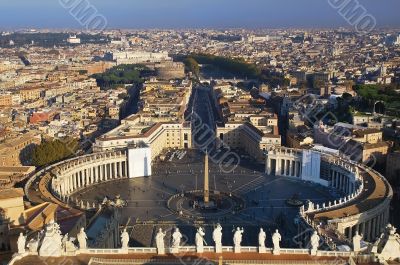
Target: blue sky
[{"x": 194, "y": 13}]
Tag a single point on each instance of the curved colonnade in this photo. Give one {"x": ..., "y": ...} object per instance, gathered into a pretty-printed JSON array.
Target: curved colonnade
[
  {"x": 365, "y": 194},
  {"x": 363, "y": 205},
  {"x": 81, "y": 172}
]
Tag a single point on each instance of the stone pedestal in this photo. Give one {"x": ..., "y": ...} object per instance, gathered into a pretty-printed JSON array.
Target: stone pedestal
[
  {"x": 261, "y": 250},
  {"x": 218, "y": 249},
  {"x": 276, "y": 252},
  {"x": 161, "y": 251},
  {"x": 313, "y": 252},
  {"x": 200, "y": 249},
  {"x": 237, "y": 249},
  {"x": 175, "y": 250}
]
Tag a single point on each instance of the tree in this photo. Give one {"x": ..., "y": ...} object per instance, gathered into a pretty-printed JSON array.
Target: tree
[
  {"x": 53, "y": 150},
  {"x": 192, "y": 65}
]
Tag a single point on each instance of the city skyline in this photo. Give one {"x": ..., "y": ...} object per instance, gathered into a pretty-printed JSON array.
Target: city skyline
[
  {"x": 199, "y": 132},
  {"x": 188, "y": 14}
]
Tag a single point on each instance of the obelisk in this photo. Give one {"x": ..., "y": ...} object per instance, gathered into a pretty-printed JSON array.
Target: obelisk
[{"x": 206, "y": 189}]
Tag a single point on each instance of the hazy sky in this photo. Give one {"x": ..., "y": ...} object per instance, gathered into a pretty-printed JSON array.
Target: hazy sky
[{"x": 194, "y": 13}]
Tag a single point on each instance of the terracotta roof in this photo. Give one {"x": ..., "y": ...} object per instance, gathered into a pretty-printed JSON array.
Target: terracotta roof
[{"x": 11, "y": 193}]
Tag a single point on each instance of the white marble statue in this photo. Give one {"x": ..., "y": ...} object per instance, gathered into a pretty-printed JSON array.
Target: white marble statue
[
  {"x": 160, "y": 242},
  {"x": 64, "y": 241},
  {"x": 314, "y": 243},
  {"x": 82, "y": 237},
  {"x": 68, "y": 244},
  {"x": 357, "y": 242},
  {"x": 125, "y": 239},
  {"x": 217, "y": 237},
  {"x": 200, "y": 240},
  {"x": 391, "y": 244},
  {"x": 261, "y": 241},
  {"x": 310, "y": 207},
  {"x": 51, "y": 245},
  {"x": 237, "y": 239},
  {"x": 33, "y": 245},
  {"x": 276, "y": 239},
  {"x": 21, "y": 243},
  {"x": 176, "y": 238},
  {"x": 176, "y": 241}
]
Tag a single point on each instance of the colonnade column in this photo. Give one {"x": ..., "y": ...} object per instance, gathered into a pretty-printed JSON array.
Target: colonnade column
[
  {"x": 368, "y": 231},
  {"x": 373, "y": 229},
  {"x": 122, "y": 175},
  {"x": 96, "y": 173},
  {"x": 126, "y": 169},
  {"x": 350, "y": 234},
  {"x": 362, "y": 232},
  {"x": 104, "y": 178},
  {"x": 69, "y": 186}
]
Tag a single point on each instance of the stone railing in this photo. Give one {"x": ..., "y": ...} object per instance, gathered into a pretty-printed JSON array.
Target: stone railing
[
  {"x": 225, "y": 261},
  {"x": 336, "y": 203},
  {"x": 183, "y": 250}
]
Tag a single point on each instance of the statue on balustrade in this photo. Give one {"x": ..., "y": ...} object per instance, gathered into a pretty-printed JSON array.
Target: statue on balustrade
[
  {"x": 33, "y": 245},
  {"x": 51, "y": 244},
  {"x": 276, "y": 239},
  {"x": 160, "y": 242},
  {"x": 200, "y": 240},
  {"x": 82, "y": 237},
  {"x": 237, "y": 239},
  {"x": 217, "y": 237},
  {"x": 21, "y": 243},
  {"x": 237, "y": 236},
  {"x": 357, "y": 242},
  {"x": 261, "y": 241},
  {"x": 125, "y": 239},
  {"x": 68, "y": 243},
  {"x": 176, "y": 238},
  {"x": 314, "y": 243}
]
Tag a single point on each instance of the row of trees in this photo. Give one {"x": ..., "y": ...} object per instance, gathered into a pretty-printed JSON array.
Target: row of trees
[
  {"x": 50, "y": 151},
  {"x": 192, "y": 65},
  {"x": 385, "y": 93},
  {"x": 236, "y": 67}
]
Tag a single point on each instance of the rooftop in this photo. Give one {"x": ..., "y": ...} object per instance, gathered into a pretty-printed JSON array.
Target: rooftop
[
  {"x": 376, "y": 190},
  {"x": 11, "y": 193}
]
